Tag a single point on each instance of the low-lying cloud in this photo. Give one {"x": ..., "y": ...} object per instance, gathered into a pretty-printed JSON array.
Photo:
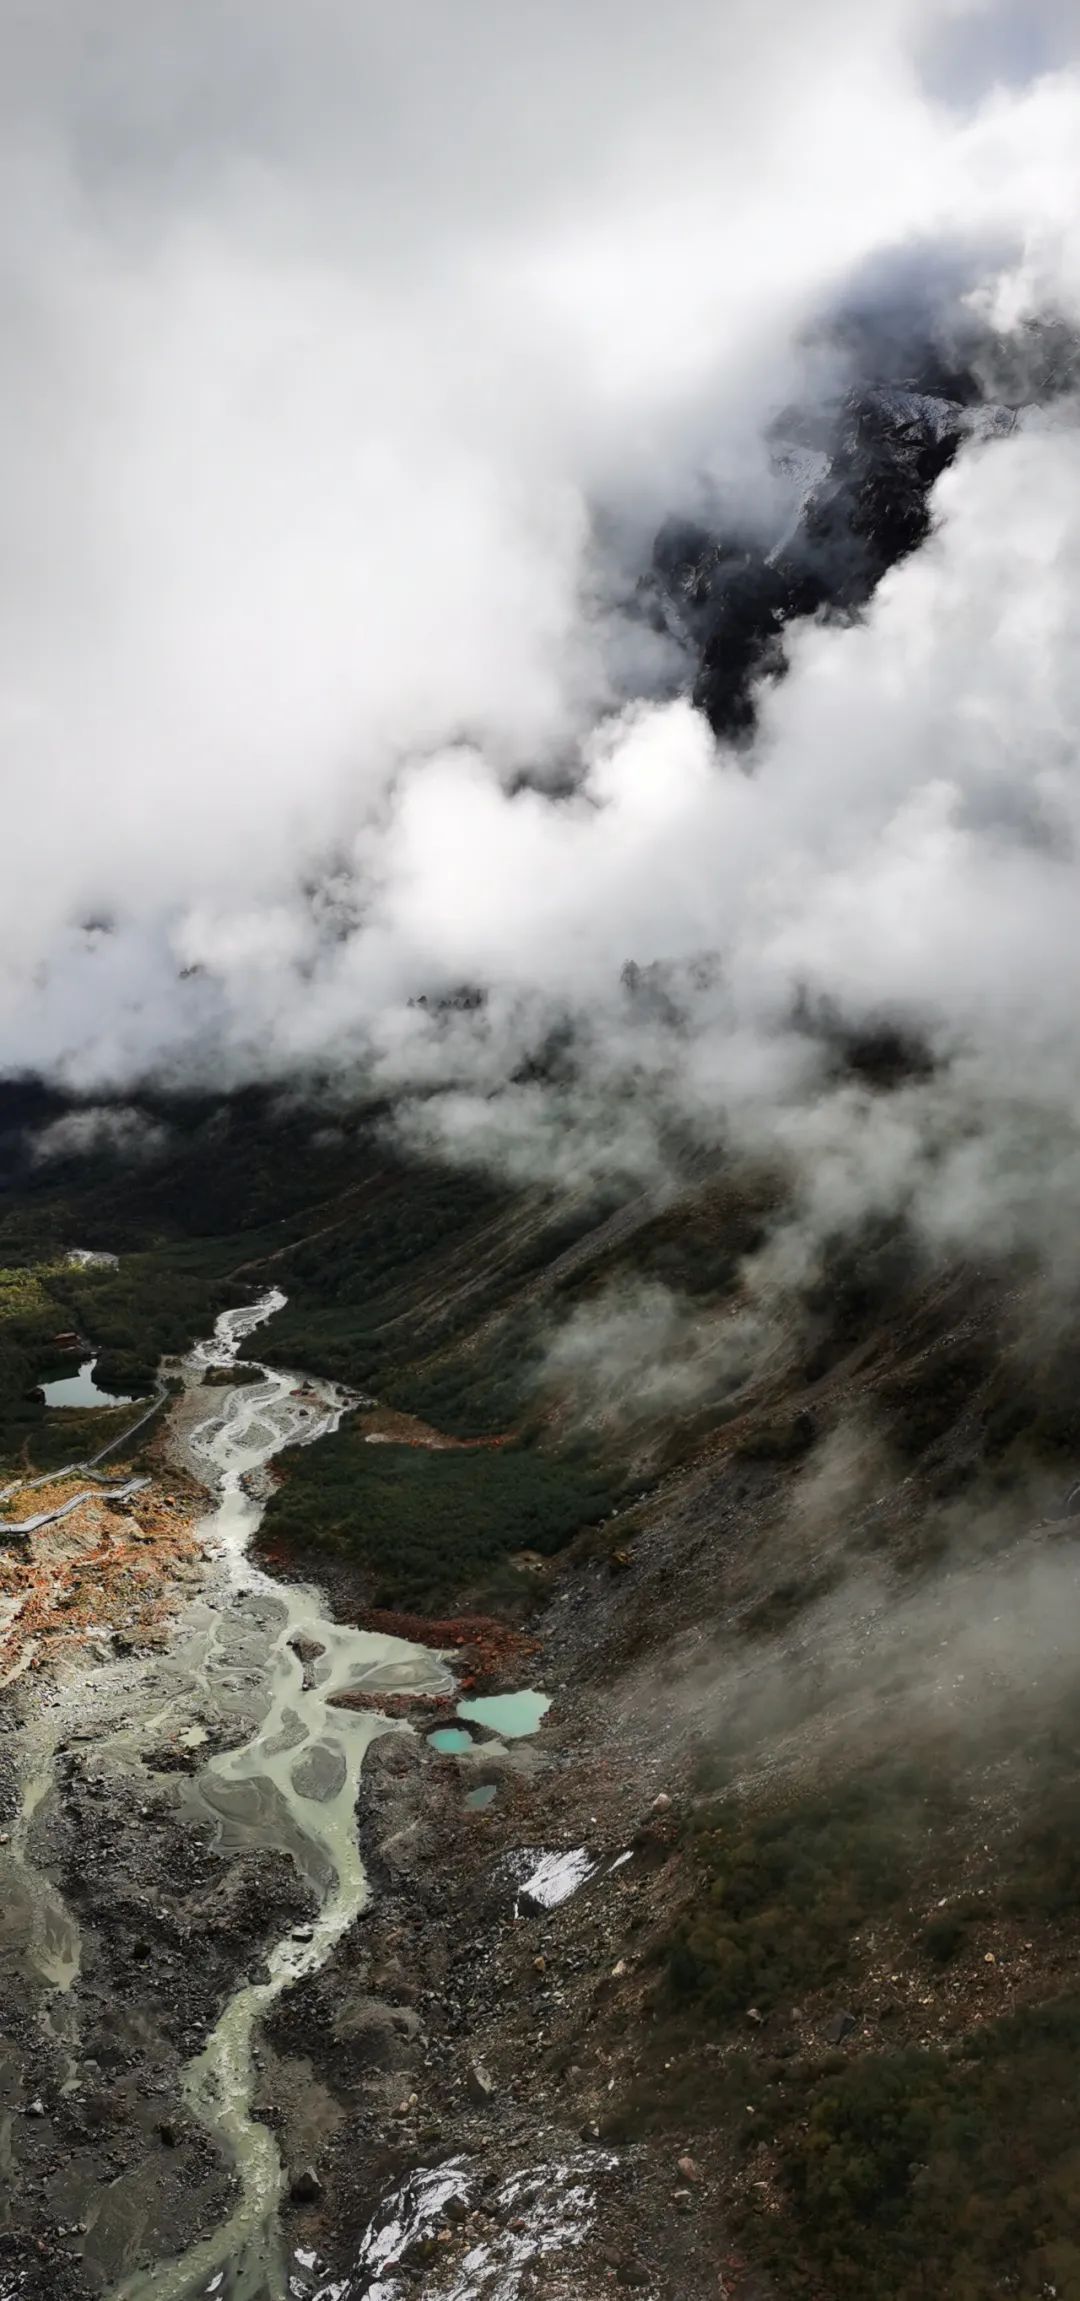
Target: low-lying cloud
[
  {"x": 637, "y": 1351},
  {"x": 97, "y": 1129},
  {"x": 350, "y": 367}
]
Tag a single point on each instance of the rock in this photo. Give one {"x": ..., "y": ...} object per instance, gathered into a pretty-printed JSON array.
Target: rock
[
  {"x": 838, "y": 2028},
  {"x": 167, "y": 2133},
  {"x": 305, "y": 2188},
  {"x": 689, "y": 2170},
  {"x": 660, "y": 1805},
  {"x": 319, "y": 1773},
  {"x": 480, "y": 2084},
  {"x": 753, "y": 2015},
  {"x": 306, "y": 1649},
  {"x": 617, "y": 1971},
  {"x": 374, "y": 2037},
  {"x": 303, "y": 1933},
  {"x": 455, "y": 2209},
  {"x": 35, "y": 2108}
]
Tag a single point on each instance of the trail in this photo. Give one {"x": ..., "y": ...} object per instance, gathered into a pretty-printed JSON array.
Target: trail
[{"x": 88, "y": 1468}]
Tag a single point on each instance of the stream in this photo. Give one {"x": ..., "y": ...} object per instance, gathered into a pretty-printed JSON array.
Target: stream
[{"x": 292, "y": 1786}]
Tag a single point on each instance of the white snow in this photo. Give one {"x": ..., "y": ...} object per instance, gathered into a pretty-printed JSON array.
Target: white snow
[
  {"x": 553, "y": 2202},
  {"x": 410, "y": 2210},
  {"x": 547, "y": 1875},
  {"x": 927, "y": 410},
  {"x": 557, "y": 1876}
]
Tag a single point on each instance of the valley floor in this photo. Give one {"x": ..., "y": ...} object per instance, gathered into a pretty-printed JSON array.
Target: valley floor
[{"x": 759, "y": 1972}]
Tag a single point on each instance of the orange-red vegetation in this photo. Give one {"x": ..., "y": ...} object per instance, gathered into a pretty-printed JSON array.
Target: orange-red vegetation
[
  {"x": 489, "y": 1650},
  {"x": 384, "y": 1426},
  {"x": 99, "y": 1572}
]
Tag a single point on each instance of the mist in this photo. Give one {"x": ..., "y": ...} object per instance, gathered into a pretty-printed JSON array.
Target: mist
[{"x": 350, "y": 369}]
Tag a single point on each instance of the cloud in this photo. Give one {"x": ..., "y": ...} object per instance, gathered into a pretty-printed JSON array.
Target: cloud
[
  {"x": 349, "y": 370},
  {"x": 637, "y": 1351},
  {"x": 125, "y": 1134}
]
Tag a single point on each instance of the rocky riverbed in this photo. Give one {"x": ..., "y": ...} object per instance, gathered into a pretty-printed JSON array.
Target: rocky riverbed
[
  {"x": 288, "y": 2011},
  {"x": 180, "y": 1847}
]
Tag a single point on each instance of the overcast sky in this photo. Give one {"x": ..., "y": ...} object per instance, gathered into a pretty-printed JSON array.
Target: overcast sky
[{"x": 332, "y": 338}]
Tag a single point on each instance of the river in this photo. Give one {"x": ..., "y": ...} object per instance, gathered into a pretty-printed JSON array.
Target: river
[{"x": 292, "y": 1786}]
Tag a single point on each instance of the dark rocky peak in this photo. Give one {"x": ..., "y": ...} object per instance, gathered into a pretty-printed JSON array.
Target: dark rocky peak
[{"x": 859, "y": 468}]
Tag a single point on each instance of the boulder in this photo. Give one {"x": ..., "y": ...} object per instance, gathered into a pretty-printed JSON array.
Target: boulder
[{"x": 838, "y": 2028}]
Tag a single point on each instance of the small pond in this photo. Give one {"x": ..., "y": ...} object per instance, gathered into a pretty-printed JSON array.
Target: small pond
[
  {"x": 81, "y": 1390},
  {"x": 509, "y": 1714},
  {"x": 450, "y": 1738},
  {"x": 479, "y": 1798}
]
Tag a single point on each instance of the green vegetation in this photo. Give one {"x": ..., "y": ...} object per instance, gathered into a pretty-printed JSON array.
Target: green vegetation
[
  {"x": 921, "y": 2173},
  {"x": 238, "y": 1196},
  {"x": 905, "y": 2171},
  {"x": 950, "y": 1933},
  {"x": 924, "y": 1404},
  {"x": 426, "y": 1528},
  {"x": 404, "y": 1280},
  {"x": 944, "y": 2173},
  {"x": 1044, "y": 1870},
  {"x": 132, "y": 1317},
  {"x": 695, "y": 1246},
  {"x": 865, "y": 1280},
  {"x": 783, "y": 1891}
]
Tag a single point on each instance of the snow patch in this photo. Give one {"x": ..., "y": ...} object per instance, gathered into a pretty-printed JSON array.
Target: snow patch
[
  {"x": 408, "y": 2213},
  {"x": 557, "y": 1876},
  {"x": 554, "y": 2204},
  {"x": 546, "y": 1876}
]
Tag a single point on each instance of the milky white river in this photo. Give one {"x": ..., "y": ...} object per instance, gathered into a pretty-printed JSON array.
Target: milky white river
[{"x": 294, "y": 1785}]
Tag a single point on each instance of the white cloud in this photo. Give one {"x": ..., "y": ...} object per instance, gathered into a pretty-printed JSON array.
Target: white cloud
[{"x": 326, "y": 344}]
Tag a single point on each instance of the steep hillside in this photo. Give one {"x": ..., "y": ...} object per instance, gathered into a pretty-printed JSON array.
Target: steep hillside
[{"x": 794, "y": 1560}]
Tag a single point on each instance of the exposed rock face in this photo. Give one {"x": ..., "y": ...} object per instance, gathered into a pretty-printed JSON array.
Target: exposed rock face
[
  {"x": 860, "y": 473},
  {"x": 862, "y": 482}
]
